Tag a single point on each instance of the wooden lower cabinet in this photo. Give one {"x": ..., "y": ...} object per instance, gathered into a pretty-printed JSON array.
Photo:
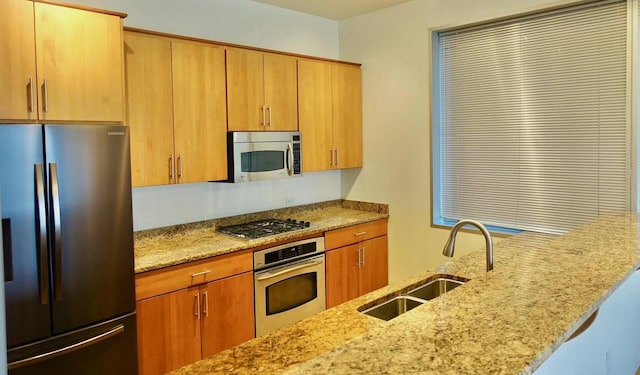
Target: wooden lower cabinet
[
  {"x": 229, "y": 317},
  {"x": 168, "y": 332},
  {"x": 356, "y": 269},
  {"x": 181, "y": 327}
]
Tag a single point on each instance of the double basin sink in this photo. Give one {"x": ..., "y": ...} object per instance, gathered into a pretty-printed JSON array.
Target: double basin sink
[{"x": 415, "y": 297}]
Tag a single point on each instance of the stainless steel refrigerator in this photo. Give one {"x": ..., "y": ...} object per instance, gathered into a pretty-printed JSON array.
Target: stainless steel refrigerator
[{"x": 67, "y": 236}]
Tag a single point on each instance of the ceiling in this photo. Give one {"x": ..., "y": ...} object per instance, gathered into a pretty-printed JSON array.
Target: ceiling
[{"x": 334, "y": 9}]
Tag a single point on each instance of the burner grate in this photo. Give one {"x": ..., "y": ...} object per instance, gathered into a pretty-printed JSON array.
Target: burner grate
[{"x": 263, "y": 228}]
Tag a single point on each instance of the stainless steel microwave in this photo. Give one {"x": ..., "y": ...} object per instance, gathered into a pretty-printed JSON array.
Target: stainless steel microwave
[{"x": 259, "y": 156}]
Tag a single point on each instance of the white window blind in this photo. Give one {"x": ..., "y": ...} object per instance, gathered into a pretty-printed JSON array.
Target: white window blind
[{"x": 534, "y": 131}]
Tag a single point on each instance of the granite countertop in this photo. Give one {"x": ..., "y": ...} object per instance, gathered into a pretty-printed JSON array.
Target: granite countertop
[
  {"x": 163, "y": 247},
  {"x": 507, "y": 321}
]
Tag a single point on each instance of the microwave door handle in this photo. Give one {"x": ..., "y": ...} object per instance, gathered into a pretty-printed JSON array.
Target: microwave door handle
[
  {"x": 298, "y": 267},
  {"x": 289, "y": 159}
]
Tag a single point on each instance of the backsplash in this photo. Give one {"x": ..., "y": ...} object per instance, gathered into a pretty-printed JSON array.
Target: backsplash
[{"x": 161, "y": 206}]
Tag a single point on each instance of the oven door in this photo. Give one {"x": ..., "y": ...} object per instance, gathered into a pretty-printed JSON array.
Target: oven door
[
  {"x": 258, "y": 161},
  {"x": 289, "y": 293}
]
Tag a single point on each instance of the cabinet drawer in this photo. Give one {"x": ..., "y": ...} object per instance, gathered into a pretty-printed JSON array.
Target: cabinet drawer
[
  {"x": 355, "y": 233},
  {"x": 153, "y": 283}
]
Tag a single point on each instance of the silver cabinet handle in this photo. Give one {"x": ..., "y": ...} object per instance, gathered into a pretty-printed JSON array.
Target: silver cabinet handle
[
  {"x": 364, "y": 251},
  {"x": 200, "y": 273},
  {"x": 172, "y": 169},
  {"x": 282, "y": 272},
  {"x": 269, "y": 109},
  {"x": 359, "y": 258},
  {"x": 360, "y": 234},
  {"x": 54, "y": 196},
  {"x": 45, "y": 94},
  {"x": 197, "y": 296},
  {"x": 31, "y": 98},
  {"x": 179, "y": 167},
  {"x": 71, "y": 348},
  {"x": 206, "y": 303},
  {"x": 331, "y": 153},
  {"x": 337, "y": 157},
  {"x": 264, "y": 118},
  {"x": 41, "y": 218}
]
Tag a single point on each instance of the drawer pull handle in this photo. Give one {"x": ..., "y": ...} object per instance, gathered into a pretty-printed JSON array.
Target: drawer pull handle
[
  {"x": 200, "y": 273},
  {"x": 359, "y": 234}
]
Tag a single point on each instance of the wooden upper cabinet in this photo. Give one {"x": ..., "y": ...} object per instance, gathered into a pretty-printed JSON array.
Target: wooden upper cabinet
[
  {"x": 261, "y": 91},
  {"x": 347, "y": 115},
  {"x": 314, "y": 108},
  {"x": 79, "y": 64},
  {"x": 149, "y": 108},
  {"x": 17, "y": 62},
  {"x": 330, "y": 108},
  {"x": 199, "y": 112},
  {"x": 245, "y": 90},
  {"x": 281, "y": 92}
]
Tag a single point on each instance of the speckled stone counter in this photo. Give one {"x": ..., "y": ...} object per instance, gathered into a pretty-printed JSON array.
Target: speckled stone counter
[
  {"x": 507, "y": 321},
  {"x": 163, "y": 247}
]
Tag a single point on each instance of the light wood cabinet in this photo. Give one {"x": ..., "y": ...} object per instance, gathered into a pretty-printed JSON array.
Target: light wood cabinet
[
  {"x": 200, "y": 116},
  {"x": 176, "y": 110},
  {"x": 168, "y": 333},
  {"x": 149, "y": 108},
  {"x": 17, "y": 61},
  {"x": 188, "y": 312},
  {"x": 261, "y": 91},
  {"x": 356, "y": 261},
  {"x": 330, "y": 111},
  {"x": 76, "y": 74}
]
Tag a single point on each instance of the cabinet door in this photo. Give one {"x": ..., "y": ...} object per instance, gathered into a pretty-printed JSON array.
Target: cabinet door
[
  {"x": 199, "y": 112},
  {"x": 149, "y": 108},
  {"x": 347, "y": 115},
  {"x": 281, "y": 92},
  {"x": 314, "y": 108},
  {"x": 374, "y": 272},
  {"x": 168, "y": 331},
  {"x": 80, "y": 57},
  {"x": 342, "y": 275},
  {"x": 228, "y": 313},
  {"x": 17, "y": 61},
  {"x": 245, "y": 90}
]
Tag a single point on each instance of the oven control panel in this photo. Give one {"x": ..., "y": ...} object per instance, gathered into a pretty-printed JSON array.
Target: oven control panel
[{"x": 287, "y": 253}]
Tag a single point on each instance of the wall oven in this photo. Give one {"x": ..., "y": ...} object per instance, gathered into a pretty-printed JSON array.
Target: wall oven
[
  {"x": 289, "y": 283},
  {"x": 258, "y": 156}
]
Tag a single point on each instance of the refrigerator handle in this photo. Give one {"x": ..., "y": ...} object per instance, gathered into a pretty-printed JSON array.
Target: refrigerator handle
[
  {"x": 41, "y": 222},
  {"x": 71, "y": 348},
  {"x": 57, "y": 236}
]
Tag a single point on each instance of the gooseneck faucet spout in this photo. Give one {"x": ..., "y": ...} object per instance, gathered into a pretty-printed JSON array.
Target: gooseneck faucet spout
[{"x": 448, "y": 247}]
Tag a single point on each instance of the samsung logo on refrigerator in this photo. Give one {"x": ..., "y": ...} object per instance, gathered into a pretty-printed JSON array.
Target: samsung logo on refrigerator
[{"x": 115, "y": 133}]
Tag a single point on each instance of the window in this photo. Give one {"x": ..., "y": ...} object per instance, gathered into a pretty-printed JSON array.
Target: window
[{"x": 532, "y": 128}]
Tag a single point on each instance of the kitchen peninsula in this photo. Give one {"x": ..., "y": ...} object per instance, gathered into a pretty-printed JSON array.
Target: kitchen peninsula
[{"x": 509, "y": 321}]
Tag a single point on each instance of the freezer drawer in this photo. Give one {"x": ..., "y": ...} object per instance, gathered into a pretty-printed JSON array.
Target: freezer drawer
[{"x": 102, "y": 349}]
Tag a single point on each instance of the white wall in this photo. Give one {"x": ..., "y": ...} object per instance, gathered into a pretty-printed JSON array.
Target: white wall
[
  {"x": 242, "y": 22},
  {"x": 393, "y": 46}
]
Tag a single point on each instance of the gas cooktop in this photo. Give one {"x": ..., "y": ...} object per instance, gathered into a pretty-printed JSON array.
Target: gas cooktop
[{"x": 263, "y": 228}]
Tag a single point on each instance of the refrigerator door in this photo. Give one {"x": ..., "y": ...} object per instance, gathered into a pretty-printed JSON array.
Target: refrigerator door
[
  {"x": 91, "y": 224},
  {"x": 107, "y": 348},
  {"x": 24, "y": 236},
  {"x": 3, "y": 332}
]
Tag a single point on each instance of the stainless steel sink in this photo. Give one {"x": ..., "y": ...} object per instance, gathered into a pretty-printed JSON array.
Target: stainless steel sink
[
  {"x": 393, "y": 307},
  {"x": 413, "y": 298},
  {"x": 434, "y": 288}
]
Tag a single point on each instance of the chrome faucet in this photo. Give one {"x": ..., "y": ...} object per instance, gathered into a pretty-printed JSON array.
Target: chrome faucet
[{"x": 448, "y": 247}]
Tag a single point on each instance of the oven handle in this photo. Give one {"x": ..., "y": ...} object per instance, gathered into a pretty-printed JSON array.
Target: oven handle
[{"x": 295, "y": 268}]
